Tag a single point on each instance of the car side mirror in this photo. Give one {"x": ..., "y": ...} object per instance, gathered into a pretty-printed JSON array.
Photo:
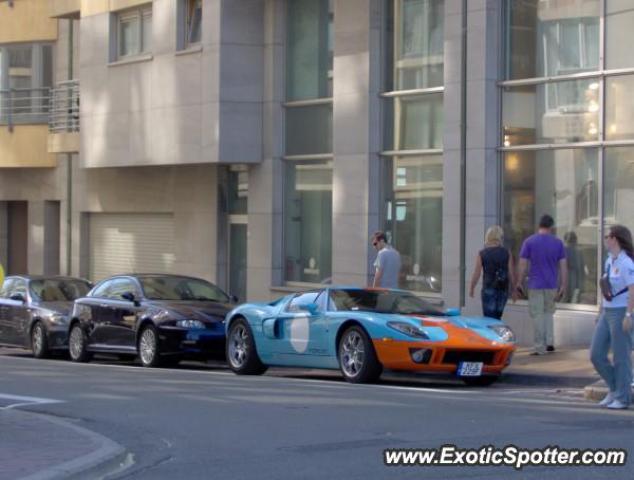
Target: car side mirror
[
  {"x": 452, "y": 312},
  {"x": 129, "y": 296},
  {"x": 18, "y": 297},
  {"x": 311, "y": 308}
]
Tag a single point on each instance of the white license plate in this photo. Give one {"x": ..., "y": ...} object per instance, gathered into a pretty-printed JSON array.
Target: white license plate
[{"x": 470, "y": 369}]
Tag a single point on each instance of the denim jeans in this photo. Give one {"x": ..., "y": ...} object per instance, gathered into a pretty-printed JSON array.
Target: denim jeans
[
  {"x": 493, "y": 302},
  {"x": 609, "y": 334}
]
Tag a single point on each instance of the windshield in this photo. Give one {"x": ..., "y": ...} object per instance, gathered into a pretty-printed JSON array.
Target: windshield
[
  {"x": 58, "y": 290},
  {"x": 181, "y": 288},
  {"x": 382, "y": 302}
]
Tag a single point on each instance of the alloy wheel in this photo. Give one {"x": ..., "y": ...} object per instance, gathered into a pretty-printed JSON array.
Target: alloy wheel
[
  {"x": 38, "y": 340},
  {"x": 147, "y": 346},
  {"x": 352, "y": 353},
  {"x": 76, "y": 342},
  {"x": 238, "y": 346}
]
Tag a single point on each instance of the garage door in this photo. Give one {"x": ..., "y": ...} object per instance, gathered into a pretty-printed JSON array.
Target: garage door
[{"x": 130, "y": 243}]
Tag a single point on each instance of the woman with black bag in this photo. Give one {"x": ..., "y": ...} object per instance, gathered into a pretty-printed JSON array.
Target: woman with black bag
[
  {"x": 614, "y": 325},
  {"x": 496, "y": 263}
]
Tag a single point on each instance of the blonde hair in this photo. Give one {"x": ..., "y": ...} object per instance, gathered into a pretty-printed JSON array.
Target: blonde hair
[{"x": 494, "y": 235}]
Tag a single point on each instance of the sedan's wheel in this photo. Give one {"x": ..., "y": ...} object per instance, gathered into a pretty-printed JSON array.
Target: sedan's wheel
[
  {"x": 39, "y": 341},
  {"x": 242, "y": 356},
  {"x": 149, "y": 347},
  {"x": 77, "y": 345},
  {"x": 483, "y": 381},
  {"x": 357, "y": 358}
]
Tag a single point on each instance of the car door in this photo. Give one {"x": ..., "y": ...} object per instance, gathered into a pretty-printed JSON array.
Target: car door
[
  {"x": 120, "y": 333},
  {"x": 301, "y": 336},
  {"x": 17, "y": 324},
  {"x": 98, "y": 304}
]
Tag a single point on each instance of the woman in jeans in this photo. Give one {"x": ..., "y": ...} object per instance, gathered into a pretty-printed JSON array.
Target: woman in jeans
[
  {"x": 614, "y": 325},
  {"x": 496, "y": 263}
]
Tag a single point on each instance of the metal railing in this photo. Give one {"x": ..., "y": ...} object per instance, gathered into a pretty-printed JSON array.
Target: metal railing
[
  {"x": 64, "y": 111},
  {"x": 24, "y": 106}
]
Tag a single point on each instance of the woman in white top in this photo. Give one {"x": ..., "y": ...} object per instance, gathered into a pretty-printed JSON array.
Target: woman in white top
[{"x": 614, "y": 325}]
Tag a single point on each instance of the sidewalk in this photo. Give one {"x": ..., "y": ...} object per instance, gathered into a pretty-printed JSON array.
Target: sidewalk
[
  {"x": 565, "y": 367},
  {"x": 40, "y": 447}
]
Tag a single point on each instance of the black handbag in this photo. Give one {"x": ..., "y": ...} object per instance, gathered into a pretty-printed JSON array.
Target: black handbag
[{"x": 606, "y": 288}]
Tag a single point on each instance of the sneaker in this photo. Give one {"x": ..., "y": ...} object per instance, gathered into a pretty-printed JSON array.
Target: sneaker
[
  {"x": 609, "y": 398},
  {"x": 550, "y": 348},
  {"x": 616, "y": 405}
]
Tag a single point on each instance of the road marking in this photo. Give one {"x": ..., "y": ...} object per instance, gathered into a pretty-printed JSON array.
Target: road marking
[{"x": 21, "y": 401}]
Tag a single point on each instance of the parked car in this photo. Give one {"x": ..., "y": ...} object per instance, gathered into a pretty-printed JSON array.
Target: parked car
[
  {"x": 162, "y": 319},
  {"x": 34, "y": 311},
  {"x": 362, "y": 331}
]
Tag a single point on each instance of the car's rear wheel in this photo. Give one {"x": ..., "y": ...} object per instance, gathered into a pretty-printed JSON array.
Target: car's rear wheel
[
  {"x": 483, "y": 381},
  {"x": 77, "y": 343},
  {"x": 149, "y": 353},
  {"x": 357, "y": 358},
  {"x": 39, "y": 341},
  {"x": 242, "y": 355}
]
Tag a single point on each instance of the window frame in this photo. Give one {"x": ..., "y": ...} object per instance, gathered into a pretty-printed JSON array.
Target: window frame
[
  {"x": 137, "y": 14},
  {"x": 184, "y": 15}
]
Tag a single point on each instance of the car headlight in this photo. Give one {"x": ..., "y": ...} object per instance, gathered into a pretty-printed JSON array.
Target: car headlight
[
  {"x": 191, "y": 324},
  {"x": 408, "y": 329},
  {"x": 57, "y": 319},
  {"x": 504, "y": 332}
]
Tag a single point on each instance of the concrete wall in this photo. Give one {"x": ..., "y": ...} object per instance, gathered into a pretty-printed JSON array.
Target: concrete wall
[
  {"x": 188, "y": 192},
  {"x": 26, "y": 21},
  {"x": 168, "y": 107}
]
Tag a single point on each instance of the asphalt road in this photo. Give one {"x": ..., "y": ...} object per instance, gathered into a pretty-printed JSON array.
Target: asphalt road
[{"x": 204, "y": 422}]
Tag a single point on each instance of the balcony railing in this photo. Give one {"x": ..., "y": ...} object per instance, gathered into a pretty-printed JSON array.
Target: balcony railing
[
  {"x": 20, "y": 106},
  {"x": 64, "y": 111}
]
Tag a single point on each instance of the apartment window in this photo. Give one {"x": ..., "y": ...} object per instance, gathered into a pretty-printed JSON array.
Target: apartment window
[
  {"x": 26, "y": 76},
  {"x": 413, "y": 139},
  {"x": 566, "y": 116},
  {"x": 134, "y": 31},
  {"x": 190, "y": 14},
  {"x": 308, "y": 142}
]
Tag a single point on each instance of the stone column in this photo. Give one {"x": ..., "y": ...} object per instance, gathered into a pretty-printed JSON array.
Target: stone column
[
  {"x": 356, "y": 137},
  {"x": 36, "y": 237},
  {"x": 482, "y": 187},
  {"x": 265, "y": 203}
]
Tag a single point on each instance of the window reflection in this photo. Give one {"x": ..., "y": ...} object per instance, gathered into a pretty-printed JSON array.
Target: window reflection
[
  {"x": 562, "y": 183},
  {"x": 414, "y": 219}
]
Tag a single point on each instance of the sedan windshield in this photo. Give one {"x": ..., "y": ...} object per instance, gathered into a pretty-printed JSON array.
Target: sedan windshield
[
  {"x": 382, "y": 302},
  {"x": 181, "y": 288},
  {"x": 58, "y": 290}
]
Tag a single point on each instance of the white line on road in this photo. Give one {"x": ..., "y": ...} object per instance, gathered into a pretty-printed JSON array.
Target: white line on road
[{"x": 21, "y": 401}]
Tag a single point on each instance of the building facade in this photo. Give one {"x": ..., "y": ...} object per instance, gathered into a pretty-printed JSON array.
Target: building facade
[{"x": 259, "y": 143}]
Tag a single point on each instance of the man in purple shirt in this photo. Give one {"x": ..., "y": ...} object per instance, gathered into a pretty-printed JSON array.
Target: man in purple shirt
[{"x": 543, "y": 257}]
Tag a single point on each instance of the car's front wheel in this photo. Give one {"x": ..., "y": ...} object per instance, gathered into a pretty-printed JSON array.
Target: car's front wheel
[
  {"x": 149, "y": 353},
  {"x": 242, "y": 355},
  {"x": 39, "y": 341},
  {"x": 357, "y": 358},
  {"x": 77, "y": 343}
]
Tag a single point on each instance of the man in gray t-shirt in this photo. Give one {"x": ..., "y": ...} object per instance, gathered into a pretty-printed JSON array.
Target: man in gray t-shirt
[{"x": 387, "y": 264}]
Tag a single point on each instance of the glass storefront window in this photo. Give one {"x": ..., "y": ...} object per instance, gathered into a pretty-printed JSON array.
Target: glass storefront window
[
  {"x": 417, "y": 48},
  {"x": 414, "y": 122},
  {"x": 619, "y": 110},
  {"x": 309, "y": 129},
  {"x": 308, "y": 221},
  {"x": 619, "y": 34},
  {"x": 554, "y": 112},
  {"x": 413, "y": 219},
  {"x": 550, "y": 38},
  {"x": 564, "y": 184},
  {"x": 309, "y": 54},
  {"x": 618, "y": 190}
]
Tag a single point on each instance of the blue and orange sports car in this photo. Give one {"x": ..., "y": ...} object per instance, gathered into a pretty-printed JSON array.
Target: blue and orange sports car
[{"x": 361, "y": 332}]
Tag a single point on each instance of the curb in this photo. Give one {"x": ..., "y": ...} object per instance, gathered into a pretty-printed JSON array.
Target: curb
[
  {"x": 597, "y": 391},
  {"x": 107, "y": 458}
]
